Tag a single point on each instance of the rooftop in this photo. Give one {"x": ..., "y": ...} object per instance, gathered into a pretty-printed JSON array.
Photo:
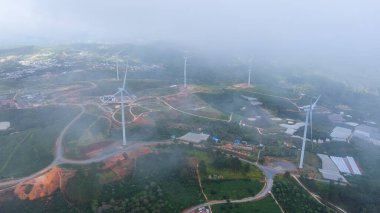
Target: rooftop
[
  {"x": 340, "y": 133},
  {"x": 4, "y": 125},
  {"x": 194, "y": 137}
]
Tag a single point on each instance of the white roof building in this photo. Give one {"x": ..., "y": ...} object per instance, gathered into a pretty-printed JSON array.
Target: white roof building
[
  {"x": 341, "y": 134},
  {"x": 346, "y": 165},
  {"x": 339, "y": 162},
  {"x": 194, "y": 137},
  {"x": 4, "y": 125}
]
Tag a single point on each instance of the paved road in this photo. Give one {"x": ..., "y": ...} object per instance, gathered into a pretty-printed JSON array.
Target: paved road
[
  {"x": 58, "y": 142},
  {"x": 269, "y": 174},
  {"x": 131, "y": 146}
]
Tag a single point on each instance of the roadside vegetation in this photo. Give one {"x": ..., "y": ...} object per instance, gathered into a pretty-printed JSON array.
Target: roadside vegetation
[
  {"x": 266, "y": 205},
  {"x": 293, "y": 198}
]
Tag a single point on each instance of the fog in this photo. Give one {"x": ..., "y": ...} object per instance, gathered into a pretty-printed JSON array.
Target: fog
[{"x": 322, "y": 35}]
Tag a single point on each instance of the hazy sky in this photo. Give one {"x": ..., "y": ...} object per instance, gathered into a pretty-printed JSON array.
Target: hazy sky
[{"x": 347, "y": 30}]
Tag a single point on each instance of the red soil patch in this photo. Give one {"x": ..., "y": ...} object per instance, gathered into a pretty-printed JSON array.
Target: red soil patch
[
  {"x": 243, "y": 86},
  {"x": 123, "y": 163},
  {"x": 43, "y": 185},
  {"x": 228, "y": 145},
  {"x": 141, "y": 120},
  {"x": 193, "y": 162},
  {"x": 140, "y": 151},
  {"x": 191, "y": 167},
  {"x": 119, "y": 164}
]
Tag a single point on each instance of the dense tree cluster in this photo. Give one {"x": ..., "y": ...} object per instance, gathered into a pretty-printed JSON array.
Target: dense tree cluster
[
  {"x": 293, "y": 198},
  {"x": 151, "y": 199},
  {"x": 162, "y": 182},
  {"x": 222, "y": 162}
]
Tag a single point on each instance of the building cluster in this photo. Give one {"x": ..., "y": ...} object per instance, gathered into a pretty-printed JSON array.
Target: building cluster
[
  {"x": 28, "y": 68},
  {"x": 329, "y": 170},
  {"x": 237, "y": 146},
  {"x": 359, "y": 131},
  {"x": 27, "y": 100},
  {"x": 333, "y": 167}
]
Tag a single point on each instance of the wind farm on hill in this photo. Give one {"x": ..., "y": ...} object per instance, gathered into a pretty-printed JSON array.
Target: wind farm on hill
[{"x": 171, "y": 134}]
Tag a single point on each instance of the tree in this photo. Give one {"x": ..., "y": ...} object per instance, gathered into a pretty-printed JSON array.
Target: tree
[
  {"x": 287, "y": 174},
  {"x": 247, "y": 168}
]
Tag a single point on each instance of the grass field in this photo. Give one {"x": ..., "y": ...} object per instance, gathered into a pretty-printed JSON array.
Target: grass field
[
  {"x": 28, "y": 145},
  {"x": 266, "y": 205},
  {"x": 254, "y": 173},
  {"x": 231, "y": 189}
]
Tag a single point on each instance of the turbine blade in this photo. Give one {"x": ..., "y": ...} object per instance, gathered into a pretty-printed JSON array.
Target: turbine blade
[
  {"x": 125, "y": 77},
  {"x": 117, "y": 93},
  {"x": 315, "y": 103}
]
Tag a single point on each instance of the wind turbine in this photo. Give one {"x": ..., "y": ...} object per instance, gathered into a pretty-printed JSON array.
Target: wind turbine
[
  {"x": 121, "y": 92},
  {"x": 184, "y": 73},
  {"x": 309, "y": 113}
]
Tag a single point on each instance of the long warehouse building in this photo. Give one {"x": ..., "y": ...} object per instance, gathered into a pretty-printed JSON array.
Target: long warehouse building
[{"x": 346, "y": 165}]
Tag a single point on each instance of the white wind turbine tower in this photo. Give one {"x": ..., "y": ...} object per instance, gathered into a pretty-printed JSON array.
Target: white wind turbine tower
[
  {"x": 249, "y": 72},
  {"x": 309, "y": 113},
  {"x": 185, "y": 73},
  {"x": 117, "y": 70}
]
